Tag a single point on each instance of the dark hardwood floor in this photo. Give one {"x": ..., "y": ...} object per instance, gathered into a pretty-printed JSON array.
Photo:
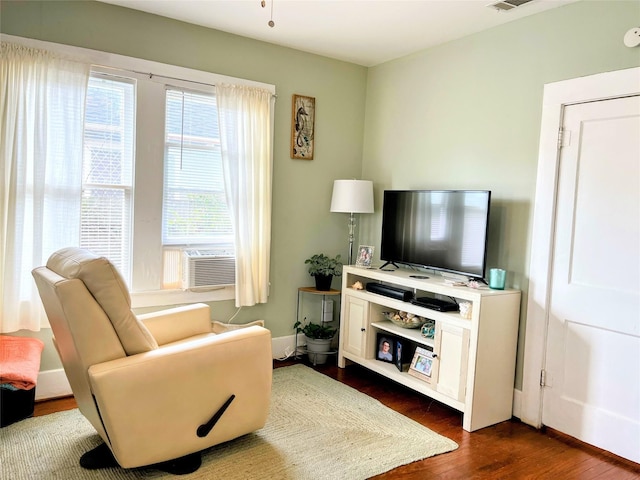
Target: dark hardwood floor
[{"x": 509, "y": 450}]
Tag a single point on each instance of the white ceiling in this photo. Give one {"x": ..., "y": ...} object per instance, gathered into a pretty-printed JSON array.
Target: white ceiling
[{"x": 365, "y": 32}]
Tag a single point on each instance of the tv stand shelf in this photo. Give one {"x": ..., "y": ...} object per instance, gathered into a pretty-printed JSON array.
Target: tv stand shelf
[
  {"x": 412, "y": 334},
  {"x": 474, "y": 364}
]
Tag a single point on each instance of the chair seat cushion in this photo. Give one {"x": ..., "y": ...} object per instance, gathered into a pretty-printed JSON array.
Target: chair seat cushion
[{"x": 107, "y": 286}]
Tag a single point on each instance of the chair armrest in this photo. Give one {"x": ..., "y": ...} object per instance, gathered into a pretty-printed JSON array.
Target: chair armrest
[
  {"x": 178, "y": 323},
  {"x": 155, "y": 401}
]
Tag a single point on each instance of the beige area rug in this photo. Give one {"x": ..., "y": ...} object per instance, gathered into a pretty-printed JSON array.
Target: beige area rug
[{"x": 317, "y": 429}]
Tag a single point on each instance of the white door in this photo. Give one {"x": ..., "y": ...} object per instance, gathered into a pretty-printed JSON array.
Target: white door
[{"x": 592, "y": 367}]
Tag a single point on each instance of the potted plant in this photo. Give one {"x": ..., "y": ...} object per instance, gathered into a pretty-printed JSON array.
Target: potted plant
[
  {"x": 318, "y": 337},
  {"x": 323, "y": 269}
]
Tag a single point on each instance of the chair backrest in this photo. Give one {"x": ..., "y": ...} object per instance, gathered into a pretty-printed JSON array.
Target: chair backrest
[
  {"x": 108, "y": 288},
  {"x": 89, "y": 309}
]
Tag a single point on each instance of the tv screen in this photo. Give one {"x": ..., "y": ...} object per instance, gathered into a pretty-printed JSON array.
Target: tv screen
[{"x": 436, "y": 229}]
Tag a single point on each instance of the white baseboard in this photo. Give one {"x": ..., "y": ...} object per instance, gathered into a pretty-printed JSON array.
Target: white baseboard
[
  {"x": 52, "y": 384},
  {"x": 283, "y": 347}
]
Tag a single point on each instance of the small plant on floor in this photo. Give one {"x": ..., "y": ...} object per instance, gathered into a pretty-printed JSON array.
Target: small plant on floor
[
  {"x": 318, "y": 338},
  {"x": 313, "y": 330}
]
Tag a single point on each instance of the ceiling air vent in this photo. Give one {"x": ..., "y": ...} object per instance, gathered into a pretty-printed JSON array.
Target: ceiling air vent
[{"x": 505, "y": 5}]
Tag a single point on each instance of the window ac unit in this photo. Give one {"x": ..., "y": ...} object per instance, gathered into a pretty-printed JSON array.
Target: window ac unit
[{"x": 208, "y": 268}]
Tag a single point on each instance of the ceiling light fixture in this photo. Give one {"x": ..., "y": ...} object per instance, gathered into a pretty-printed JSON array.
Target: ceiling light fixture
[{"x": 263, "y": 4}]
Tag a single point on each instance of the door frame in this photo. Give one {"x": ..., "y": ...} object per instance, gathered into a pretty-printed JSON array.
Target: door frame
[{"x": 557, "y": 95}]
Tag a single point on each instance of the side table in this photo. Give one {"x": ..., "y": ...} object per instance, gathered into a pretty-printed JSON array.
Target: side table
[{"x": 325, "y": 294}]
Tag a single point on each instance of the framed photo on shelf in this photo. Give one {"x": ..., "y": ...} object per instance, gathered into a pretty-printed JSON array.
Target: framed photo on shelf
[
  {"x": 422, "y": 365},
  {"x": 385, "y": 348},
  {"x": 365, "y": 255},
  {"x": 398, "y": 357}
]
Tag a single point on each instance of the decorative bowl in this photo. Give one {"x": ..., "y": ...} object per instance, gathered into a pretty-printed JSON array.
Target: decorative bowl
[{"x": 404, "y": 319}]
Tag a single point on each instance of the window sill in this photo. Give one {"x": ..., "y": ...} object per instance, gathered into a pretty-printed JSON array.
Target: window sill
[{"x": 160, "y": 298}]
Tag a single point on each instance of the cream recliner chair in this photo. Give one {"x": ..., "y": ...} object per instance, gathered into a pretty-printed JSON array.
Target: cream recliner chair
[{"x": 158, "y": 387}]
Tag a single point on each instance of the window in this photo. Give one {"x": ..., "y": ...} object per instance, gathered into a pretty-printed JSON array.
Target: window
[
  {"x": 194, "y": 204},
  {"x": 107, "y": 170},
  {"x": 103, "y": 175},
  {"x": 175, "y": 151}
]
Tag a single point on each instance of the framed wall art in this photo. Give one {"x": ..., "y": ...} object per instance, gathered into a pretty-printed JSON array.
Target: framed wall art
[{"x": 303, "y": 117}]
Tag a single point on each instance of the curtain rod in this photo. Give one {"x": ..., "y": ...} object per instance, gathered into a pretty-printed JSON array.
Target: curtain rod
[{"x": 151, "y": 75}]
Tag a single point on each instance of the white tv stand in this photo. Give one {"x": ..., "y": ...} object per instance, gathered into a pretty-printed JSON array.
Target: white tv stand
[{"x": 474, "y": 365}]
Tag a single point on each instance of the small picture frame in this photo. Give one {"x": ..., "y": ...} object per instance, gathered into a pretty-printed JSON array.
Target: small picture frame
[
  {"x": 365, "y": 255},
  {"x": 422, "y": 365},
  {"x": 398, "y": 356},
  {"x": 385, "y": 348}
]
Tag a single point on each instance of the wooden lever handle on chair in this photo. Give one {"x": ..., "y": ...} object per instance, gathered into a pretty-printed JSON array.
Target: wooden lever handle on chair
[{"x": 205, "y": 428}]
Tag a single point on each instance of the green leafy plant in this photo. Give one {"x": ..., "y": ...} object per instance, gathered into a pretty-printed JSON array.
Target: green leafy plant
[
  {"x": 320, "y": 264},
  {"x": 313, "y": 330}
]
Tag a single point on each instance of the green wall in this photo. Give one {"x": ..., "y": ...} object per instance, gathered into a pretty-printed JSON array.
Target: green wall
[{"x": 467, "y": 114}]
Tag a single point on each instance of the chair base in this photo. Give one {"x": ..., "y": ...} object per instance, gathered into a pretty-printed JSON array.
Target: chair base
[
  {"x": 101, "y": 457},
  {"x": 181, "y": 466}
]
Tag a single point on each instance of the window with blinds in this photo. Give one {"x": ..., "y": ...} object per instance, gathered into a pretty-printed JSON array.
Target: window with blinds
[
  {"x": 107, "y": 169},
  {"x": 152, "y": 189},
  {"x": 194, "y": 204}
]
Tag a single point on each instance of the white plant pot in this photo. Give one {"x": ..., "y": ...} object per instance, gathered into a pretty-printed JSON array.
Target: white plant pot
[{"x": 315, "y": 349}]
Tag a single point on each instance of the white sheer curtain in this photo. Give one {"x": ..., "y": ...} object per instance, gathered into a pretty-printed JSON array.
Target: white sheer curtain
[
  {"x": 41, "y": 123},
  {"x": 246, "y": 136}
]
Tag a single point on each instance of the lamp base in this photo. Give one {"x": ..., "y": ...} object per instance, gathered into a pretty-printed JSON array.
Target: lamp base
[{"x": 352, "y": 228}]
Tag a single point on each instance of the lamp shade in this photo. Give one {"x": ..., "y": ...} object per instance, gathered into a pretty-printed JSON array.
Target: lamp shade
[{"x": 352, "y": 196}]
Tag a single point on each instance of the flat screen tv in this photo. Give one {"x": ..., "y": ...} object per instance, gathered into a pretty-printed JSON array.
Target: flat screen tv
[{"x": 443, "y": 230}]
